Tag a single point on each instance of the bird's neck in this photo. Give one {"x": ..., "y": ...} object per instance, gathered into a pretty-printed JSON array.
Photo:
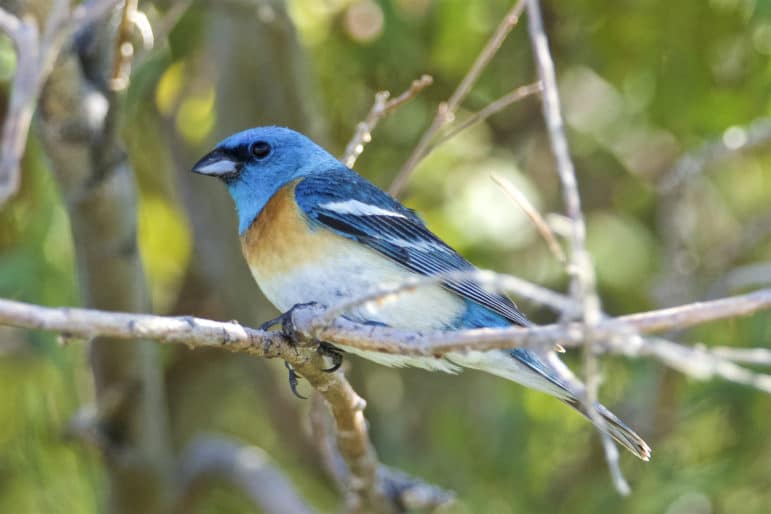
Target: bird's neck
[{"x": 250, "y": 201}]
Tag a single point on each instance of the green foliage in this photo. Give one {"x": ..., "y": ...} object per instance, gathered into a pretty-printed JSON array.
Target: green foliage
[{"x": 641, "y": 82}]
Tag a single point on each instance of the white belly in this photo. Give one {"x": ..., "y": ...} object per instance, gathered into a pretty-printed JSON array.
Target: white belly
[{"x": 353, "y": 273}]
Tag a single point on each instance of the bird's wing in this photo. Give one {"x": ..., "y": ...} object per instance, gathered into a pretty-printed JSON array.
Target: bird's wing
[{"x": 342, "y": 201}]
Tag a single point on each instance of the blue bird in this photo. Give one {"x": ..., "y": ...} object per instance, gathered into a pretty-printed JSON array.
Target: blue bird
[{"x": 313, "y": 230}]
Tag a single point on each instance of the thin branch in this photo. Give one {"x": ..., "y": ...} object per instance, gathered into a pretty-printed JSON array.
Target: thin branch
[
  {"x": 538, "y": 221},
  {"x": 380, "y": 109},
  {"x": 24, "y": 89},
  {"x": 35, "y": 57},
  {"x": 170, "y": 18},
  {"x": 733, "y": 140},
  {"x": 446, "y": 110},
  {"x": 743, "y": 277},
  {"x": 247, "y": 467},
  {"x": 580, "y": 265},
  {"x": 755, "y": 356},
  {"x": 489, "y": 110},
  {"x": 124, "y": 49},
  {"x": 703, "y": 364}
]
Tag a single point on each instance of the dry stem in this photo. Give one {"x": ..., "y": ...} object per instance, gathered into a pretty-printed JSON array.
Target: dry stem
[
  {"x": 380, "y": 109},
  {"x": 446, "y": 110}
]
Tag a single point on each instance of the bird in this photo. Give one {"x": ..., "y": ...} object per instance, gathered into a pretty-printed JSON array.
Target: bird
[{"x": 313, "y": 230}]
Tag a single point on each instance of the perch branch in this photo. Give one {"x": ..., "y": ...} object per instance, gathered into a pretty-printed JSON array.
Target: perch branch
[{"x": 197, "y": 332}]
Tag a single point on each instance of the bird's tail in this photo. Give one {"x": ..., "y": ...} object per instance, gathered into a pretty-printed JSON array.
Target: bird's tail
[
  {"x": 546, "y": 373},
  {"x": 617, "y": 429}
]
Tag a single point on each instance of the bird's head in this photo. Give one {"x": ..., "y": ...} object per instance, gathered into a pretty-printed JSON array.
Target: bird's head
[{"x": 256, "y": 163}]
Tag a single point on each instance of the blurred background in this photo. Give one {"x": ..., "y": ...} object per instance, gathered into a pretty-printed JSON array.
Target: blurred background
[{"x": 643, "y": 85}]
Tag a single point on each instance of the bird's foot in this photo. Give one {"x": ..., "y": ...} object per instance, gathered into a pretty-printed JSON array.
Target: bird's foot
[
  {"x": 278, "y": 320},
  {"x": 294, "y": 378},
  {"x": 285, "y": 321},
  {"x": 335, "y": 354}
]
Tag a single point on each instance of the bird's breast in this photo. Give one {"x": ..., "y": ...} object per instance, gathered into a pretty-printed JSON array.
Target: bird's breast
[{"x": 294, "y": 262}]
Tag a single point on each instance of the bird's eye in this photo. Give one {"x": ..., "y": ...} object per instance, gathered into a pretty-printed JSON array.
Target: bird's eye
[{"x": 260, "y": 149}]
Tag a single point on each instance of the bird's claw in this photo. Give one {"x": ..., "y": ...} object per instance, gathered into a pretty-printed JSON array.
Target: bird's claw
[
  {"x": 336, "y": 354},
  {"x": 279, "y": 320},
  {"x": 293, "y": 380},
  {"x": 286, "y": 322}
]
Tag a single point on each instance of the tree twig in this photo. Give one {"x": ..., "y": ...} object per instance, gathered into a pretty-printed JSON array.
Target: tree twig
[
  {"x": 35, "y": 57},
  {"x": 380, "y": 109},
  {"x": 538, "y": 221},
  {"x": 580, "y": 267},
  {"x": 124, "y": 50},
  {"x": 756, "y": 356},
  {"x": 733, "y": 140},
  {"x": 446, "y": 110},
  {"x": 489, "y": 110}
]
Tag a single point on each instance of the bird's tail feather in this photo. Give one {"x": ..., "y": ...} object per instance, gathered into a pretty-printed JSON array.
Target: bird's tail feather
[
  {"x": 618, "y": 430},
  {"x": 531, "y": 370}
]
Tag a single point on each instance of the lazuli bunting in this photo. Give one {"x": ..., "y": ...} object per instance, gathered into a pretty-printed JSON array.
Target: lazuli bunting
[{"x": 313, "y": 230}]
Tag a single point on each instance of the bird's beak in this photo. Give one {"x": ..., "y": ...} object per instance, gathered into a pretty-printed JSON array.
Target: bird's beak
[{"x": 217, "y": 164}]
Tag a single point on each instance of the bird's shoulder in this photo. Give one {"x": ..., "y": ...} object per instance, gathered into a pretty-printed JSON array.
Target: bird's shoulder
[{"x": 342, "y": 184}]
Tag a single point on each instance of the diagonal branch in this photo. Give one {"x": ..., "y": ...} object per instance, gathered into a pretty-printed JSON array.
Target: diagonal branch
[
  {"x": 446, "y": 110},
  {"x": 380, "y": 109},
  {"x": 247, "y": 467}
]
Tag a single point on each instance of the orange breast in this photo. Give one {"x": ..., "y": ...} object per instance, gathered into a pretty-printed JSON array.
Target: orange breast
[{"x": 279, "y": 240}]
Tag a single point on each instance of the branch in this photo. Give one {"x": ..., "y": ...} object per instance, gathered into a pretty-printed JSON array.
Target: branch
[
  {"x": 124, "y": 50},
  {"x": 380, "y": 109},
  {"x": 489, "y": 110},
  {"x": 532, "y": 213},
  {"x": 35, "y": 57},
  {"x": 24, "y": 90},
  {"x": 403, "y": 490},
  {"x": 580, "y": 265},
  {"x": 446, "y": 110},
  {"x": 197, "y": 332},
  {"x": 247, "y": 467},
  {"x": 732, "y": 141}
]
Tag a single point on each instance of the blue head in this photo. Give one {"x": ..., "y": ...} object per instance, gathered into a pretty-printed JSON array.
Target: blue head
[{"x": 256, "y": 163}]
